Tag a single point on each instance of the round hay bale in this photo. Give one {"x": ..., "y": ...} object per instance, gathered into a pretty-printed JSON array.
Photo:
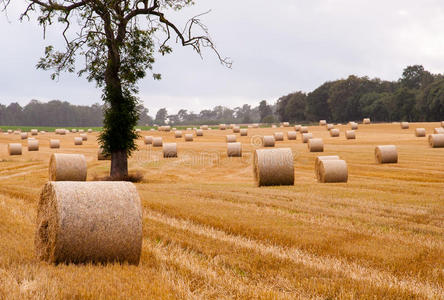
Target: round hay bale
[
  {"x": 148, "y": 140},
  {"x": 354, "y": 126},
  {"x": 204, "y": 127},
  {"x": 286, "y": 124},
  {"x": 420, "y": 132},
  {"x": 62, "y": 132},
  {"x": 442, "y": 124},
  {"x": 436, "y": 140},
  {"x": 199, "y": 132},
  {"x": 17, "y": 132},
  {"x": 169, "y": 150},
  {"x": 292, "y": 135},
  {"x": 167, "y": 128},
  {"x": 67, "y": 167},
  {"x": 279, "y": 136},
  {"x": 268, "y": 141},
  {"x": 256, "y": 125},
  {"x": 9, "y": 130},
  {"x": 350, "y": 134},
  {"x": 306, "y": 137},
  {"x": 54, "y": 144},
  {"x": 188, "y": 129},
  {"x": 81, "y": 222},
  {"x": 188, "y": 137},
  {"x": 297, "y": 127},
  {"x": 318, "y": 162},
  {"x": 333, "y": 171},
  {"x": 303, "y": 129},
  {"x": 33, "y": 145},
  {"x": 73, "y": 130},
  {"x": 404, "y": 125},
  {"x": 334, "y": 132},
  {"x": 101, "y": 155},
  {"x": 42, "y": 132},
  {"x": 15, "y": 149},
  {"x": 322, "y": 122},
  {"x": 244, "y": 132},
  {"x": 90, "y": 130},
  {"x": 273, "y": 126},
  {"x": 177, "y": 134},
  {"x": 152, "y": 129},
  {"x": 438, "y": 130},
  {"x": 315, "y": 145},
  {"x": 138, "y": 130},
  {"x": 81, "y": 131},
  {"x": 231, "y": 138},
  {"x": 387, "y": 154},
  {"x": 366, "y": 121},
  {"x": 174, "y": 129},
  {"x": 222, "y": 126},
  {"x": 234, "y": 150},
  {"x": 78, "y": 141},
  {"x": 84, "y": 136},
  {"x": 157, "y": 142},
  {"x": 330, "y": 126},
  {"x": 34, "y": 132},
  {"x": 273, "y": 167},
  {"x": 236, "y": 129},
  {"x": 24, "y": 135}
]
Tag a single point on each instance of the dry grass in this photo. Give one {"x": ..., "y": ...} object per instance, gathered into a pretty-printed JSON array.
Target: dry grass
[{"x": 210, "y": 233}]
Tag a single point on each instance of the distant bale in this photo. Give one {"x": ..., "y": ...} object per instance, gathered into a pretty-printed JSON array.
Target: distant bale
[
  {"x": 279, "y": 136},
  {"x": 333, "y": 171},
  {"x": 442, "y": 123},
  {"x": 244, "y": 132},
  {"x": 438, "y": 130},
  {"x": 268, "y": 141},
  {"x": 15, "y": 149},
  {"x": 177, "y": 134},
  {"x": 34, "y": 132},
  {"x": 420, "y": 132},
  {"x": 404, "y": 125},
  {"x": 84, "y": 136},
  {"x": 386, "y": 154},
  {"x": 33, "y": 145},
  {"x": 436, "y": 140},
  {"x": 204, "y": 127},
  {"x": 273, "y": 126},
  {"x": 62, "y": 131},
  {"x": 74, "y": 130},
  {"x": 330, "y": 126},
  {"x": 222, "y": 126},
  {"x": 231, "y": 138},
  {"x": 273, "y": 167},
  {"x": 366, "y": 121},
  {"x": 257, "y": 125},
  {"x": 286, "y": 124},
  {"x": 148, "y": 140},
  {"x": 78, "y": 141},
  {"x": 334, "y": 132},
  {"x": 81, "y": 131},
  {"x": 42, "y": 132},
  {"x": 354, "y": 126},
  {"x": 17, "y": 132},
  {"x": 188, "y": 129},
  {"x": 102, "y": 156},
  {"x": 169, "y": 150},
  {"x": 350, "y": 134},
  {"x": 303, "y": 129},
  {"x": 24, "y": 135},
  {"x": 199, "y": 132},
  {"x": 292, "y": 135},
  {"x": 67, "y": 167},
  {"x": 54, "y": 144},
  {"x": 236, "y": 129},
  {"x": 174, "y": 129},
  {"x": 318, "y": 162},
  {"x": 306, "y": 137},
  {"x": 297, "y": 127},
  {"x": 89, "y": 222},
  {"x": 322, "y": 122},
  {"x": 157, "y": 142},
  {"x": 9, "y": 130},
  {"x": 188, "y": 137},
  {"x": 138, "y": 130},
  {"x": 90, "y": 130},
  {"x": 234, "y": 149},
  {"x": 315, "y": 145}
]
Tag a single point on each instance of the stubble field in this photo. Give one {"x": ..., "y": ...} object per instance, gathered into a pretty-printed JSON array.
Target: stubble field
[{"x": 210, "y": 233}]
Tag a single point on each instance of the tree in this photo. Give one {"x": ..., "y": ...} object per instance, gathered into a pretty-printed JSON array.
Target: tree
[
  {"x": 116, "y": 40},
  {"x": 161, "y": 116},
  {"x": 416, "y": 77},
  {"x": 265, "y": 111}
]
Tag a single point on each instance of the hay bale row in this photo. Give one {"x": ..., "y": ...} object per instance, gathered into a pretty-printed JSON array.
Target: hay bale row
[
  {"x": 436, "y": 140},
  {"x": 67, "y": 167},
  {"x": 292, "y": 135},
  {"x": 81, "y": 222},
  {"x": 420, "y": 132},
  {"x": 234, "y": 149},
  {"x": 169, "y": 150},
  {"x": 386, "y": 154},
  {"x": 268, "y": 141},
  {"x": 273, "y": 167},
  {"x": 315, "y": 145}
]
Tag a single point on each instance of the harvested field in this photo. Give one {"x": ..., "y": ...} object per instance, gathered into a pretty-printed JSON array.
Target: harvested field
[{"x": 210, "y": 233}]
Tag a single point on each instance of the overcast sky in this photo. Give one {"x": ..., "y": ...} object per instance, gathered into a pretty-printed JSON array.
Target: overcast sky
[{"x": 277, "y": 47}]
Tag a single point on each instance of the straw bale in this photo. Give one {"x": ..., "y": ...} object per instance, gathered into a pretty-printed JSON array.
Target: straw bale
[
  {"x": 67, "y": 167},
  {"x": 273, "y": 167}
]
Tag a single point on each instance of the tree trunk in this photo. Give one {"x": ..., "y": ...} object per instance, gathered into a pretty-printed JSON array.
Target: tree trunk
[{"x": 119, "y": 165}]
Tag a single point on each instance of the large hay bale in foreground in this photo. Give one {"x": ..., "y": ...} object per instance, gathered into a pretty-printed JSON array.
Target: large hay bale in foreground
[
  {"x": 404, "y": 125},
  {"x": 33, "y": 145},
  {"x": 279, "y": 136},
  {"x": 234, "y": 149},
  {"x": 102, "y": 156},
  {"x": 231, "y": 138},
  {"x": 420, "y": 132},
  {"x": 188, "y": 137},
  {"x": 177, "y": 134},
  {"x": 315, "y": 145},
  {"x": 333, "y": 170},
  {"x": 387, "y": 154},
  {"x": 15, "y": 149},
  {"x": 157, "y": 141},
  {"x": 148, "y": 140},
  {"x": 318, "y": 162},
  {"x": 350, "y": 134},
  {"x": 292, "y": 135},
  {"x": 24, "y": 135},
  {"x": 268, "y": 141},
  {"x": 54, "y": 144},
  {"x": 81, "y": 222},
  {"x": 67, "y": 167},
  {"x": 436, "y": 140},
  {"x": 169, "y": 150},
  {"x": 322, "y": 122},
  {"x": 438, "y": 130},
  {"x": 273, "y": 167},
  {"x": 78, "y": 141},
  {"x": 366, "y": 121},
  {"x": 244, "y": 132},
  {"x": 306, "y": 137},
  {"x": 334, "y": 132}
]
